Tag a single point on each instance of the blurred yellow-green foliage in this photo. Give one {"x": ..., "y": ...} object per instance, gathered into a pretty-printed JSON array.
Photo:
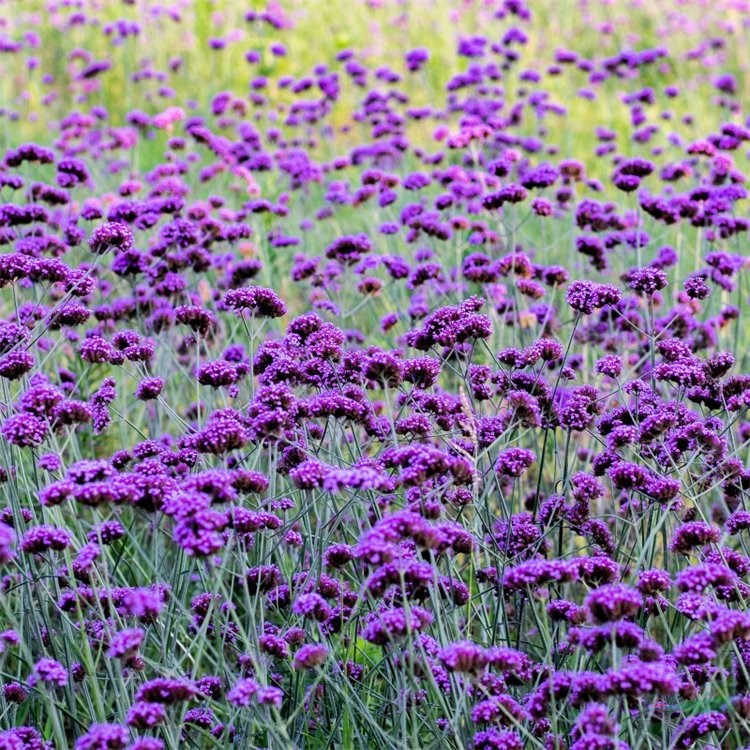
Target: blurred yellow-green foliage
[{"x": 317, "y": 30}]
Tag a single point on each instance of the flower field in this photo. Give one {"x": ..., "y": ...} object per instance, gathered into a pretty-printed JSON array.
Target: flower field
[{"x": 374, "y": 375}]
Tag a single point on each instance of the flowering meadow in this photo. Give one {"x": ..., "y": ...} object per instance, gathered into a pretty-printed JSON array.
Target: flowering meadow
[{"x": 374, "y": 375}]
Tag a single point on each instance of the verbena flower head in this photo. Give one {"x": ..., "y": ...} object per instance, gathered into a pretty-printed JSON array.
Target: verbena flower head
[
  {"x": 257, "y": 301},
  {"x": 111, "y": 236},
  {"x": 310, "y": 655},
  {"x": 586, "y": 296}
]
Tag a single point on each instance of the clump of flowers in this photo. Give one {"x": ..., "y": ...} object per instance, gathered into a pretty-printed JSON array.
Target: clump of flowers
[{"x": 374, "y": 395}]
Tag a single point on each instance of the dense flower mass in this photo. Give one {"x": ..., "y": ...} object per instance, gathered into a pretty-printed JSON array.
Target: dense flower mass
[{"x": 374, "y": 375}]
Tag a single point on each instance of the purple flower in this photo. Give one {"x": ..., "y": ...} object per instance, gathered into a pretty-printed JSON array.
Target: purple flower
[
  {"x": 243, "y": 693},
  {"x": 104, "y": 737},
  {"x": 106, "y": 533},
  {"x": 348, "y": 250},
  {"x": 15, "y": 365},
  {"x": 497, "y": 739},
  {"x": 14, "y": 692},
  {"x": 726, "y": 83},
  {"x": 338, "y": 555},
  {"x": 538, "y": 572},
  {"x": 198, "y": 319},
  {"x": 698, "y": 578},
  {"x": 310, "y": 655},
  {"x": 696, "y": 287},
  {"x": 691, "y": 535},
  {"x": 147, "y": 743},
  {"x": 258, "y": 301},
  {"x": 449, "y": 326},
  {"x": 646, "y": 280},
  {"x": 312, "y": 606},
  {"x": 611, "y": 366},
  {"x": 23, "y": 738},
  {"x": 143, "y": 603},
  {"x": 508, "y": 194},
  {"x": 144, "y": 715},
  {"x": 416, "y": 58},
  {"x": 166, "y": 691},
  {"x": 98, "y": 350},
  {"x": 125, "y": 643},
  {"x": 40, "y": 539},
  {"x": 50, "y": 672},
  {"x": 386, "y": 625},
  {"x": 614, "y": 602},
  {"x": 71, "y": 172},
  {"x": 224, "y": 431},
  {"x": 218, "y": 373},
  {"x": 270, "y": 696},
  {"x": 690, "y": 730},
  {"x": 7, "y": 539},
  {"x": 654, "y": 581},
  {"x": 30, "y": 152},
  {"x": 50, "y": 462},
  {"x": 513, "y": 462},
  {"x": 111, "y": 236},
  {"x": 25, "y": 430},
  {"x": 586, "y": 296},
  {"x": 149, "y": 389},
  {"x": 464, "y": 656},
  {"x": 637, "y": 678}
]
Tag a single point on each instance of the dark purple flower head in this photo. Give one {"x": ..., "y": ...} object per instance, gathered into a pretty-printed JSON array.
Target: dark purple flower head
[
  {"x": 16, "y": 364},
  {"x": 586, "y": 296},
  {"x": 111, "y": 236},
  {"x": 692, "y": 729},
  {"x": 310, "y": 655},
  {"x": 692, "y": 535},
  {"x": 537, "y": 572},
  {"x": 464, "y": 656},
  {"x": 144, "y": 603},
  {"x": 654, "y": 581},
  {"x": 646, "y": 280},
  {"x": 497, "y": 739},
  {"x": 14, "y": 692},
  {"x": 737, "y": 522},
  {"x": 416, "y": 58},
  {"x": 611, "y": 366},
  {"x": 726, "y": 83},
  {"x": 387, "y": 625},
  {"x": 312, "y": 606},
  {"x": 29, "y": 152},
  {"x": 125, "y": 643},
  {"x": 147, "y": 743},
  {"x": 165, "y": 690},
  {"x": 25, "y": 430},
  {"x": 349, "y": 249},
  {"x": 449, "y": 326},
  {"x": 509, "y": 194},
  {"x": 149, "y": 389},
  {"x": 50, "y": 672},
  {"x": 40, "y": 539},
  {"x": 243, "y": 693},
  {"x": 71, "y": 172},
  {"x": 513, "y": 462},
  {"x": 144, "y": 715},
  {"x": 696, "y": 287},
  {"x": 614, "y": 602},
  {"x": 258, "y": 301},
  {"x": 103, "y": 737}
]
